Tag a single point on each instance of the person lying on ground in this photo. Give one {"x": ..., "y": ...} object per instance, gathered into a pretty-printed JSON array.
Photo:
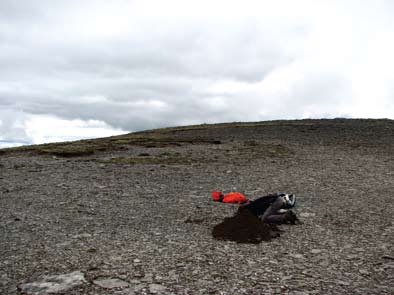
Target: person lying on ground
[{"x": 273, "y": 208}]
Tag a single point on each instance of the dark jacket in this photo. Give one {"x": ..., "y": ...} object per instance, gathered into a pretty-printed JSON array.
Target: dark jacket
[{"x": 260, "y": 205}]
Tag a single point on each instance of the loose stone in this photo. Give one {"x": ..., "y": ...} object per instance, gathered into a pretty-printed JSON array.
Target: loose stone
[
  {"x": 156, "y": 288},
  {"x": 110, "y": 283},
  {"x": 54, "y": 284}
]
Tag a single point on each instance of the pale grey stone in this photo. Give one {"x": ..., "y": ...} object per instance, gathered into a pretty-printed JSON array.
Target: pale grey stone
[
  {"x": 139, "y": 287},
  {"x": 81, "y": 236},
  {"x": 343, "y": 283},
  {"x": 307, "y": 214},
  {"x": 156, "y": 288},
  {"x": 298, "y": 256},
  {"x": 53, "y": 284},
  {"x": 364, "y": 271},
  {"x": 110, "y": 283},
  {"x": 299, "y": 293}
]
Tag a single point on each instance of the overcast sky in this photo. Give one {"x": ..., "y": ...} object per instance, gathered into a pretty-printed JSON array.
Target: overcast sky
[{"x": 79, "y": 69}]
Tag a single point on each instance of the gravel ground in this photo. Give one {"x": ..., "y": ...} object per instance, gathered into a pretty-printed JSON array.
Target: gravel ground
[{"x": 145, "y": 227}]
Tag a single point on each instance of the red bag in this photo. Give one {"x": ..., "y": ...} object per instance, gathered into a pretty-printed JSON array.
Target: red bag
[
  {"x": 217, "y": 196},
  {"x": 234, "y": 197}
]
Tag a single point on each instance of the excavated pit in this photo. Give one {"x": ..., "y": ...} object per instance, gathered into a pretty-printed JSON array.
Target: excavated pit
[{"x": 244, "y": 227}]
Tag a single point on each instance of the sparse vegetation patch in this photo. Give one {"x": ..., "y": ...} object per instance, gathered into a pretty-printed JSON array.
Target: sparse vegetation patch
[
  {"x": 261, "y": 150},
  {"x": 165, "y": 158},
  {"x": 68, "y": 151}
]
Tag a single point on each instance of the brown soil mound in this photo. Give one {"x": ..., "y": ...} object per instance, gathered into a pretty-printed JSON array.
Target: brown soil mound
[{"x": 244, "y": 227}]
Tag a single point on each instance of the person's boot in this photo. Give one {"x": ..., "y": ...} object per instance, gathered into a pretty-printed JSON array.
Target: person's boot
[{"x": 291, "y": 217}]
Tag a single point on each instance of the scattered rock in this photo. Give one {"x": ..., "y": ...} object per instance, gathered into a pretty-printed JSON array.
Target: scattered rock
[
  {"x": 351, "y": 257},
  {"x": 54, "y": 284},
  {"x": 307, "y": 214},
  {"x": 139, "y": 287},
  {"x": 343, "y": 283},
  {"x": 148, "y": 278},
  {"x": 363, "y": 271},
  {"x": 82, "y": 236},
  {"x": 388, "y": 257},
  {"x": 157, "y": 289},
  {"x": 298, "y": 256},
  {"x": 194, "y": 220},
  {"x": 352, "y": 231},
  {"x": 299, "y": 293},
  {"x": 110, "y": 283},
  {"x": 316, "y": 251}
]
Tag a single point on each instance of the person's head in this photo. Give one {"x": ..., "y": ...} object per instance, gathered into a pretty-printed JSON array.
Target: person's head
[{"x": 289, "y": 200}]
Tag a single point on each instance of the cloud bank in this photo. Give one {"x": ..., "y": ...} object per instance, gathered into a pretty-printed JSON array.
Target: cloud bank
[{"x": 78, "y": 69}]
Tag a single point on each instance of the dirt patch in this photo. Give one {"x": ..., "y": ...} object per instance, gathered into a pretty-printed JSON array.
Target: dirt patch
[{"x": 244, "y": 227}]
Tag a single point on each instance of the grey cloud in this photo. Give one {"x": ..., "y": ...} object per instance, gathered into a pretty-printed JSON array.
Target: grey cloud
[
  {"x": 12, "y": 127},
  {"x": 160, "y": 71}
]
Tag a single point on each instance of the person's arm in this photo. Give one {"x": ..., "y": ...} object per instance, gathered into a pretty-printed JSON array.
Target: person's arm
[{"x": 273, "y": 209}]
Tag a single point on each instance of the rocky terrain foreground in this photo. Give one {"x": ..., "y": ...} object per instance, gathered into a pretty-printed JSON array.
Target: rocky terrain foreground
[{"x": 133, "y": 214}]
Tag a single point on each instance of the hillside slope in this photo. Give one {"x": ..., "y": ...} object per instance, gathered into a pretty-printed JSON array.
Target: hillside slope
[{"x": 137, "y": 208}]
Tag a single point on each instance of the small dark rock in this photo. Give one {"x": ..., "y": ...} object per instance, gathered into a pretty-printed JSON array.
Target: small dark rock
[{"x": 195, "y": 220}]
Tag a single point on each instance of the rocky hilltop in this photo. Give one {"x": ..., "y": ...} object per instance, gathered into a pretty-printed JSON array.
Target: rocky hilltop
[{"x": 132, "y": 214}]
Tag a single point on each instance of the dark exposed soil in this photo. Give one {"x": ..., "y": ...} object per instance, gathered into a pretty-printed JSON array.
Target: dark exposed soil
[
  {"x": 134, "y": 214},
  {"x": 244, "y": 227}
]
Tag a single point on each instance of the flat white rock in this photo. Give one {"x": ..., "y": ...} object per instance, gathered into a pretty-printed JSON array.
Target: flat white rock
[{"x": 53, "y": 284}]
